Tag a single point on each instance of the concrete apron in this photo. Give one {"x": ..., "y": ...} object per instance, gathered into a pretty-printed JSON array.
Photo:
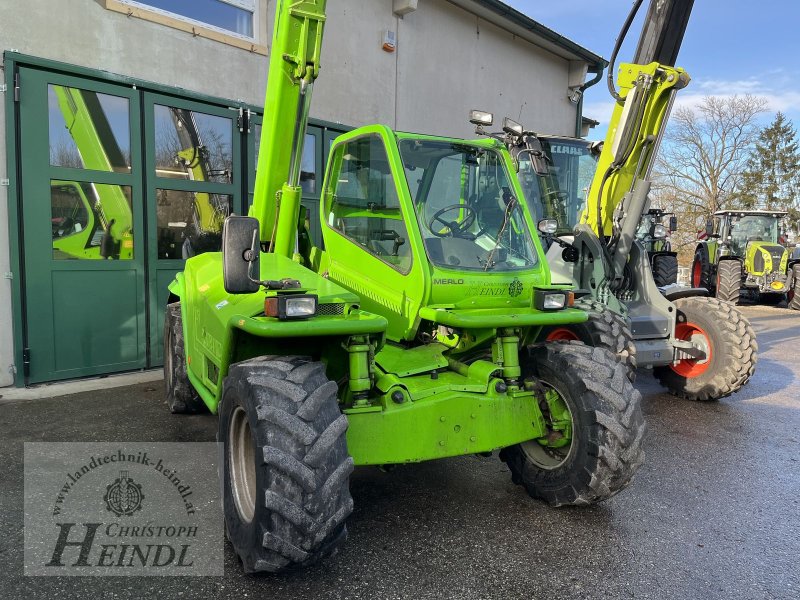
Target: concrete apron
[{"x": 65, "y": 388}]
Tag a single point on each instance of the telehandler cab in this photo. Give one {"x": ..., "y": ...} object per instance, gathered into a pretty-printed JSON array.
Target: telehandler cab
[
  {"x": 699, "y": 347},
  {"x": 415, "y": 334}
]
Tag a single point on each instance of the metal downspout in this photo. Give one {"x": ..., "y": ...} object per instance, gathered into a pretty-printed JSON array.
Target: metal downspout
[{"x": 579, "y": 109}]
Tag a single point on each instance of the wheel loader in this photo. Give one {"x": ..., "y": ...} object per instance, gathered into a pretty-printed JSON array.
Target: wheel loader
[
  {"x": 743, "y": 251},
  {"x": 416, "y": 334},
  {"x": 699, "y": 347}
]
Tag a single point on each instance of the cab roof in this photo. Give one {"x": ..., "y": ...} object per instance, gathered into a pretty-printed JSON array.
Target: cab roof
[{"x": 743, "y": 213}]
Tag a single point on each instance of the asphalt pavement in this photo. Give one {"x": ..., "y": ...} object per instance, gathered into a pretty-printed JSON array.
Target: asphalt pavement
[{"x": 713, "y": 513}]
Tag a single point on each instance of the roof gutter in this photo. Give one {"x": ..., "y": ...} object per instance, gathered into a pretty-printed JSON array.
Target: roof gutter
[{"x": 525, "y": 22}]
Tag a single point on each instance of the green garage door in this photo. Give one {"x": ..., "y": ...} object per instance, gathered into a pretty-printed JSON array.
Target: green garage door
[{"x": 82, "y": 217}]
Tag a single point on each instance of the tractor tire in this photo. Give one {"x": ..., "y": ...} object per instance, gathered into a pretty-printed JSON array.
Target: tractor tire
[
  {"x": 604, "y": 329},
  {"x": 700, "y": 276},
  {"x": 665, "y": 269},
  {"x": 607, "y": 423},
  {"x": 286, "y": 469},
  {"x": 181, "y": 395},
  {"x": 730, "y": 340},
  {"x": 793, "y": 297},
  {"x": 729, "y": 281}
]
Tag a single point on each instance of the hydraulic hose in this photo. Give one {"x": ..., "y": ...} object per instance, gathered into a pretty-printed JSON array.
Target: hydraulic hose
[{"x": 620, "y": 39}]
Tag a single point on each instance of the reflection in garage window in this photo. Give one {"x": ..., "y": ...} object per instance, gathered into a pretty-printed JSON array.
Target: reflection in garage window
[
  {"x": 189, "y": 223},
  {"x": 88, "y": 130},
  {"x": 192, "y": 145},
  {"x": 91, "y": 221}
]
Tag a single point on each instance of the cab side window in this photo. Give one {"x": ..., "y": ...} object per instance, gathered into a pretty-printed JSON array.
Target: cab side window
[{"x": 362, "y": 201}]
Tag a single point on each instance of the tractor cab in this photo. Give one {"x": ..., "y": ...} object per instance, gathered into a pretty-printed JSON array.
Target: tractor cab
[{"x": 743, "y": 228}]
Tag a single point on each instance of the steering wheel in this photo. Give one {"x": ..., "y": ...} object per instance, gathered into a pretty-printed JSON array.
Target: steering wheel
[{"x": 455, "y": 229}]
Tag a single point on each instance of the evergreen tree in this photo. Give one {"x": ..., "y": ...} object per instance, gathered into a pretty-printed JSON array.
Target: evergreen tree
[{"x": 771, "y": 179}]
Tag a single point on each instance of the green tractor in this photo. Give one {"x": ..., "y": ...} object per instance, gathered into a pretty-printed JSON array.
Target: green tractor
[
  {"x": 416, "y": 334},
  {"x": 653, "y": 234},
  {"x": 743, "y": 251}
]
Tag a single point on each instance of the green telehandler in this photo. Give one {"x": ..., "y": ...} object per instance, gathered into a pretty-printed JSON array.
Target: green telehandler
[
  {"x": 744, "y": 250},
  {"x": 699, "y": 347},
  {"x": 416, "y": 334}
]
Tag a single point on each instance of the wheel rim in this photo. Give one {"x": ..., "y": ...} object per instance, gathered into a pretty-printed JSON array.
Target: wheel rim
[
  {"x": 697, "y": 272},
  {"x": 242, "y": 465},
  {"x": 562, "y": 334},
  {"x": 552, "y": 451},
  {"x": 690, "y": 367}
]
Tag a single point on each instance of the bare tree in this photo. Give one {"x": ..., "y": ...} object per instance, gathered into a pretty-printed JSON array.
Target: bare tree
[{"x": 700, "y": 164}]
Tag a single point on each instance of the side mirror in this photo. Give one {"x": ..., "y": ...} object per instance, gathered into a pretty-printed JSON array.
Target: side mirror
[
  {"x": 547, "y": 226},
  {"x": 709, "y": 227},
  {"x": 673, "y": 224},
  {"x": 240, "y": 255},
  {"x": 538, "y": 159}
]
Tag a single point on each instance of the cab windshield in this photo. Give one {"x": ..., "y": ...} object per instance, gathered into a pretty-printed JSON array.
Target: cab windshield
[
  {"x": 752, "y": 228},
  {"x": 562, "y": 193},
  {"x": 468, "y": 213}
]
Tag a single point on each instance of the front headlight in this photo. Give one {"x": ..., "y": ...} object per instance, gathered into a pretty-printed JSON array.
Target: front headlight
[
  {"x": 291, "y": 307},
  {"x": 552, "y": 299},
  {"x": 555, "y": 301}
]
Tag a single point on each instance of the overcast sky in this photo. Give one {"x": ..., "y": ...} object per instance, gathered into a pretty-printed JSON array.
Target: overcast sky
[{"x": 731, "y": 46}]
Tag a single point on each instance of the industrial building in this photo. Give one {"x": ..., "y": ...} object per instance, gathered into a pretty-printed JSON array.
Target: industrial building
[{"x": 158, "y": 71}]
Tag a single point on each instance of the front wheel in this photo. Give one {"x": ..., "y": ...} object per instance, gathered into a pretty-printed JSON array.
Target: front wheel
[
  {"x": 728, "y": 342},
  {"x": 286, "y": 469},
  {"x": 793, "y": 297},
  {"x": 604, "y": 329},
  {"x": 596, "y": 427},
  {"x": 665, "y": 269},
  {"x": 729, "y": 280}
]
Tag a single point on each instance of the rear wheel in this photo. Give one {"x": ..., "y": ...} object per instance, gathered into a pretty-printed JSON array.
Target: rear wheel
[
  {"x": 793, "y": 298},
  {"x": 729, "y": 280},
  {"x": 603, "y": 329},
  {"x": 596, "y": 428},
  {"x": 729, "y": 344},
  {"x": 286, "y": 468},
  {"x": 665, "y": 269},
  {"x": 181, "y": 395},
  {"x": 701, "y": 269}
]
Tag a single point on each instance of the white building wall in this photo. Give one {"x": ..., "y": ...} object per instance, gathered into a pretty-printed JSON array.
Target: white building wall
[{"x": 447, "y": 61}]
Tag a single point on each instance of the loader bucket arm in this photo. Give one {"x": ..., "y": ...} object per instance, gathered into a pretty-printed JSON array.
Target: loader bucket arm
[
  {"x": 618, "y": 194},
  {"x": 293, "y": 67}
]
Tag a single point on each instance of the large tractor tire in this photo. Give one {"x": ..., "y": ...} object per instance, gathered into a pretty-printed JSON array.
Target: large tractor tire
[
  {"x": 700, "y": 276},
  {"x": 181, "y": 395},
  {"x": 286, "y": 469},
  {"x": 592, "y": 393},
  {"x": 793, "y": 297},
  {"x": 665, "y": 269},
  {"x": 604, "y": 329},
  {"x": 729, "y": 280},
  {"x": 730, "y": 344}
]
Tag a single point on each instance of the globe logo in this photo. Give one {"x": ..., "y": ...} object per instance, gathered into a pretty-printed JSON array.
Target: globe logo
[
  {"x": 124, "y": 496},
  {"x": 515, "y": 288}
]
